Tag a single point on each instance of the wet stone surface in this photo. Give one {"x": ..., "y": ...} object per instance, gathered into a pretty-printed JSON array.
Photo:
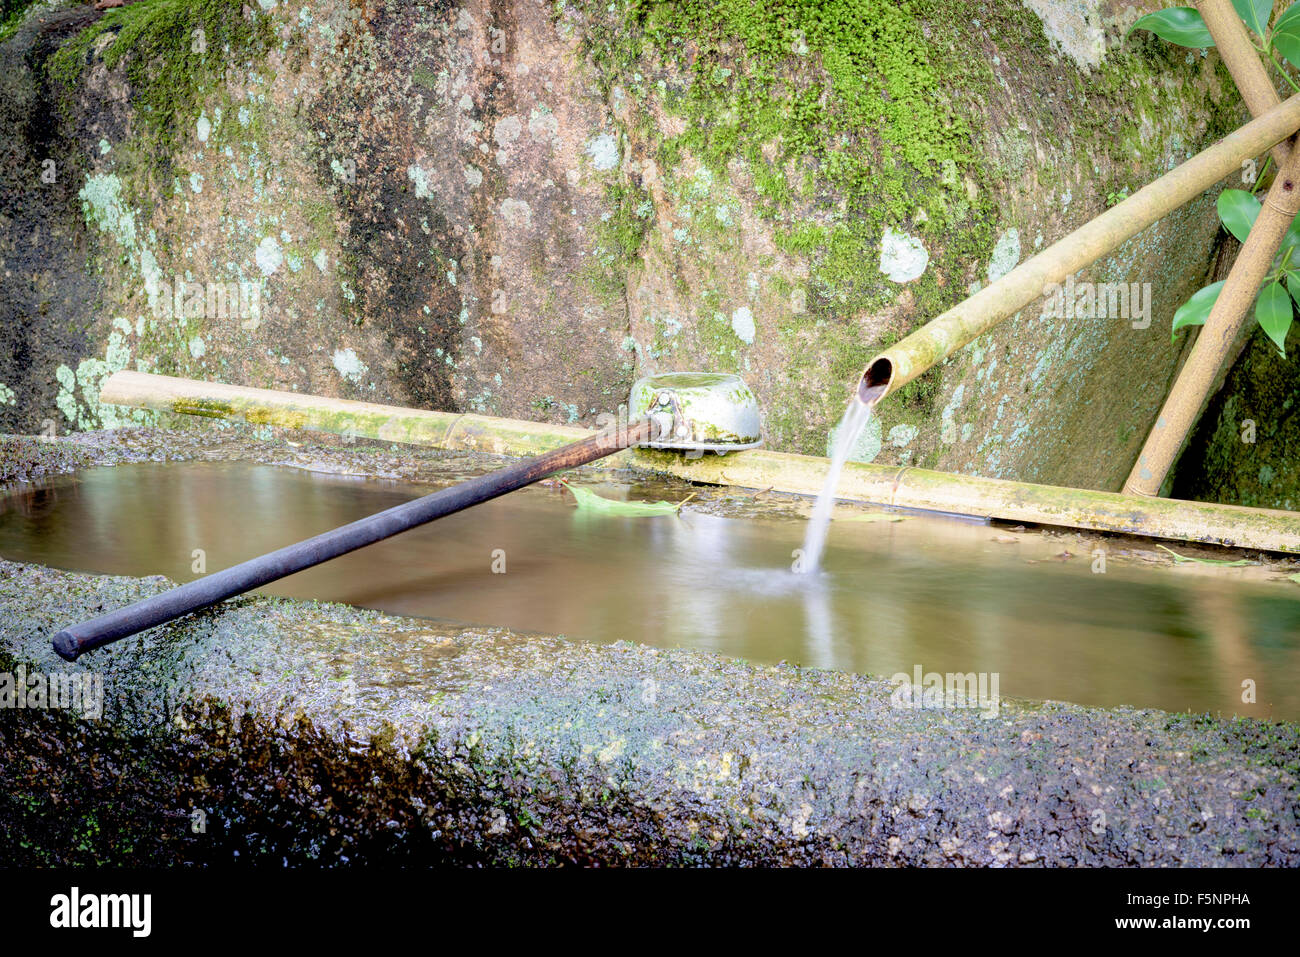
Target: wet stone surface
[{"x": 274, "y": 730}]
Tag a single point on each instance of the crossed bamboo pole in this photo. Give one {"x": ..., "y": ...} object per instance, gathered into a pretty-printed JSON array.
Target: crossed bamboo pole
[
  {"x": 1238, "y": 55},
  {"x": 1231, "y": 310}
]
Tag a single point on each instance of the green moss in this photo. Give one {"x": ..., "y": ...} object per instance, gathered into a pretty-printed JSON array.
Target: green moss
[
  {"x": 208, "y": 408},
  {"x": 845, "y": 117},
  {"x": 1130, "y": 97},
  {"x": 848, "y": 94},
  {"x": 425, "y": 78},
  {"x": 631, "y": 217},
  {"x": 320, "y": 215},
  {"x": 9, "y": 9},
  {"x": 618, "y": 238},
  {"x": 12, "y": 14},
  {"x": 175, "y": 52},
  {"x": 1227, "y": 461}
]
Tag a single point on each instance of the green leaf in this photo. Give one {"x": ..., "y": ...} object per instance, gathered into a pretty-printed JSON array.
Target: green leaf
[
  {"x": 1292, "y": 238},
  {"x": 1196, "y": 310},
  {"x": 1286, "y": 33},
  {"x": 1293, "y": 285},
  {"x": 1181, "y": 25},
  {"x": 1295, "y": 578},
  {"x": 1255, "y": 13},
  {"x": 1238, "y": 209},
  {"x": 591, "y": 502},
  {"x": 1273, "y": 313},
  {"x": 1189, "y": 560}
]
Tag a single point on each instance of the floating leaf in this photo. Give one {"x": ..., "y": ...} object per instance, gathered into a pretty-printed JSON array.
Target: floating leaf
[
  {"x": 1196, "y": 310},
  {"x": 1180, "y": 25},
  {"x": 1189, "y": 560},
  {"x": 1273, "y": 313},
  {"x": 1255, "y": 13},
  {"x": 1238, "y": 209},
  {"x": 1295, "y": 578},
  {"x": 1286, "y": 33},
  {"x": 590, "y": 501}
]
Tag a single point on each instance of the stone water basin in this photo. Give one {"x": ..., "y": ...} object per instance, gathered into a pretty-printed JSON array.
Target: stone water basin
[{"x": 701, "y": 706}]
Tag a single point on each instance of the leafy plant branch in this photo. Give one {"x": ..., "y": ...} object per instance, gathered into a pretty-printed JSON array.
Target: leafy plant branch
[{"x": 1279, "y": 294}]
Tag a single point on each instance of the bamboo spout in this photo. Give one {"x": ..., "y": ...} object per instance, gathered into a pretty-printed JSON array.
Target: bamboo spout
[
  {"x": 879, "y": 373},
  {"x": 945, "y": 334}
]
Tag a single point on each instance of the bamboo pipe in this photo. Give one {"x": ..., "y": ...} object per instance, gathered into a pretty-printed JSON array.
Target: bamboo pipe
[
  {"x": 1210, "y": 523},
  {"x": 1239, "y": 56},
  {"x": 293, "y": 410},
  {"x": 1206, "y": 522},
  {"x": 1230, "y": 313},
  {"x": 121, "y": 623},
  {"x": 946, "y": 333}
]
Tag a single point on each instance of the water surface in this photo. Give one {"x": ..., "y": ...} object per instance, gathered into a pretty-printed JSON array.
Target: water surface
[{"x": 940, "y": 593}]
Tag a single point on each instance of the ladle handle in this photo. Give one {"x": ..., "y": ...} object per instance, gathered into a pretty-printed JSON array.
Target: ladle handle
[{"x": 76, "y": 640}]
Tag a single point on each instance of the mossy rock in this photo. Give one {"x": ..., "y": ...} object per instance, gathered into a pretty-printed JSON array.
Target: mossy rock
[{"x": 520, "y": 209}]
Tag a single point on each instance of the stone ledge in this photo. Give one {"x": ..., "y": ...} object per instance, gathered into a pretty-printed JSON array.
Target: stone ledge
[{"x": 309, "y": 732}]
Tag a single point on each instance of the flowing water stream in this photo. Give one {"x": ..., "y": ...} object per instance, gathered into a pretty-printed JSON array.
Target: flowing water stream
[
  {"x": 855, "y": 420},
  {"x": 928, "y": 591}
]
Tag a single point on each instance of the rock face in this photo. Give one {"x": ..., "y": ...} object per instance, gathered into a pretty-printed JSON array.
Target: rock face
[
  {"x": 1245, "y": 447},
  {"x": 518, "y": 208},
  {"x": 44, "y": 243}
]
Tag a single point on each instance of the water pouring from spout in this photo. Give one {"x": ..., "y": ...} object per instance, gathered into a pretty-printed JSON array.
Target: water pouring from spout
[{"x": 855, "y": 419}]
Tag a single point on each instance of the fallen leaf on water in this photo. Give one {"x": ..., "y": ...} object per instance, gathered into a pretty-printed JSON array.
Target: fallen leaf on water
[
  {"x": 592, "y": 502},
  {"x": 1188, "y": 559}
]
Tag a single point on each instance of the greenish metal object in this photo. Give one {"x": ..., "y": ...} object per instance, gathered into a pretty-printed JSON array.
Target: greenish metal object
[{"x": 697, "y": 411}]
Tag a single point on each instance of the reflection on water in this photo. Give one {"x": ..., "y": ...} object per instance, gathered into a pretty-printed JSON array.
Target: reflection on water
[{"x": 931, "y": 592}]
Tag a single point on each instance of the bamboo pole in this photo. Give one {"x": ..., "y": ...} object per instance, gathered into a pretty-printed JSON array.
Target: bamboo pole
[
  {"x": 1205, "y": 522},
  {"x": 1231, "y": 310},
  {"x": 946, "y": 333},
  {"x": 907, "y": 487},
  {"x": 1239, "y": 56},
  {"x": 292, "y": 410}
]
